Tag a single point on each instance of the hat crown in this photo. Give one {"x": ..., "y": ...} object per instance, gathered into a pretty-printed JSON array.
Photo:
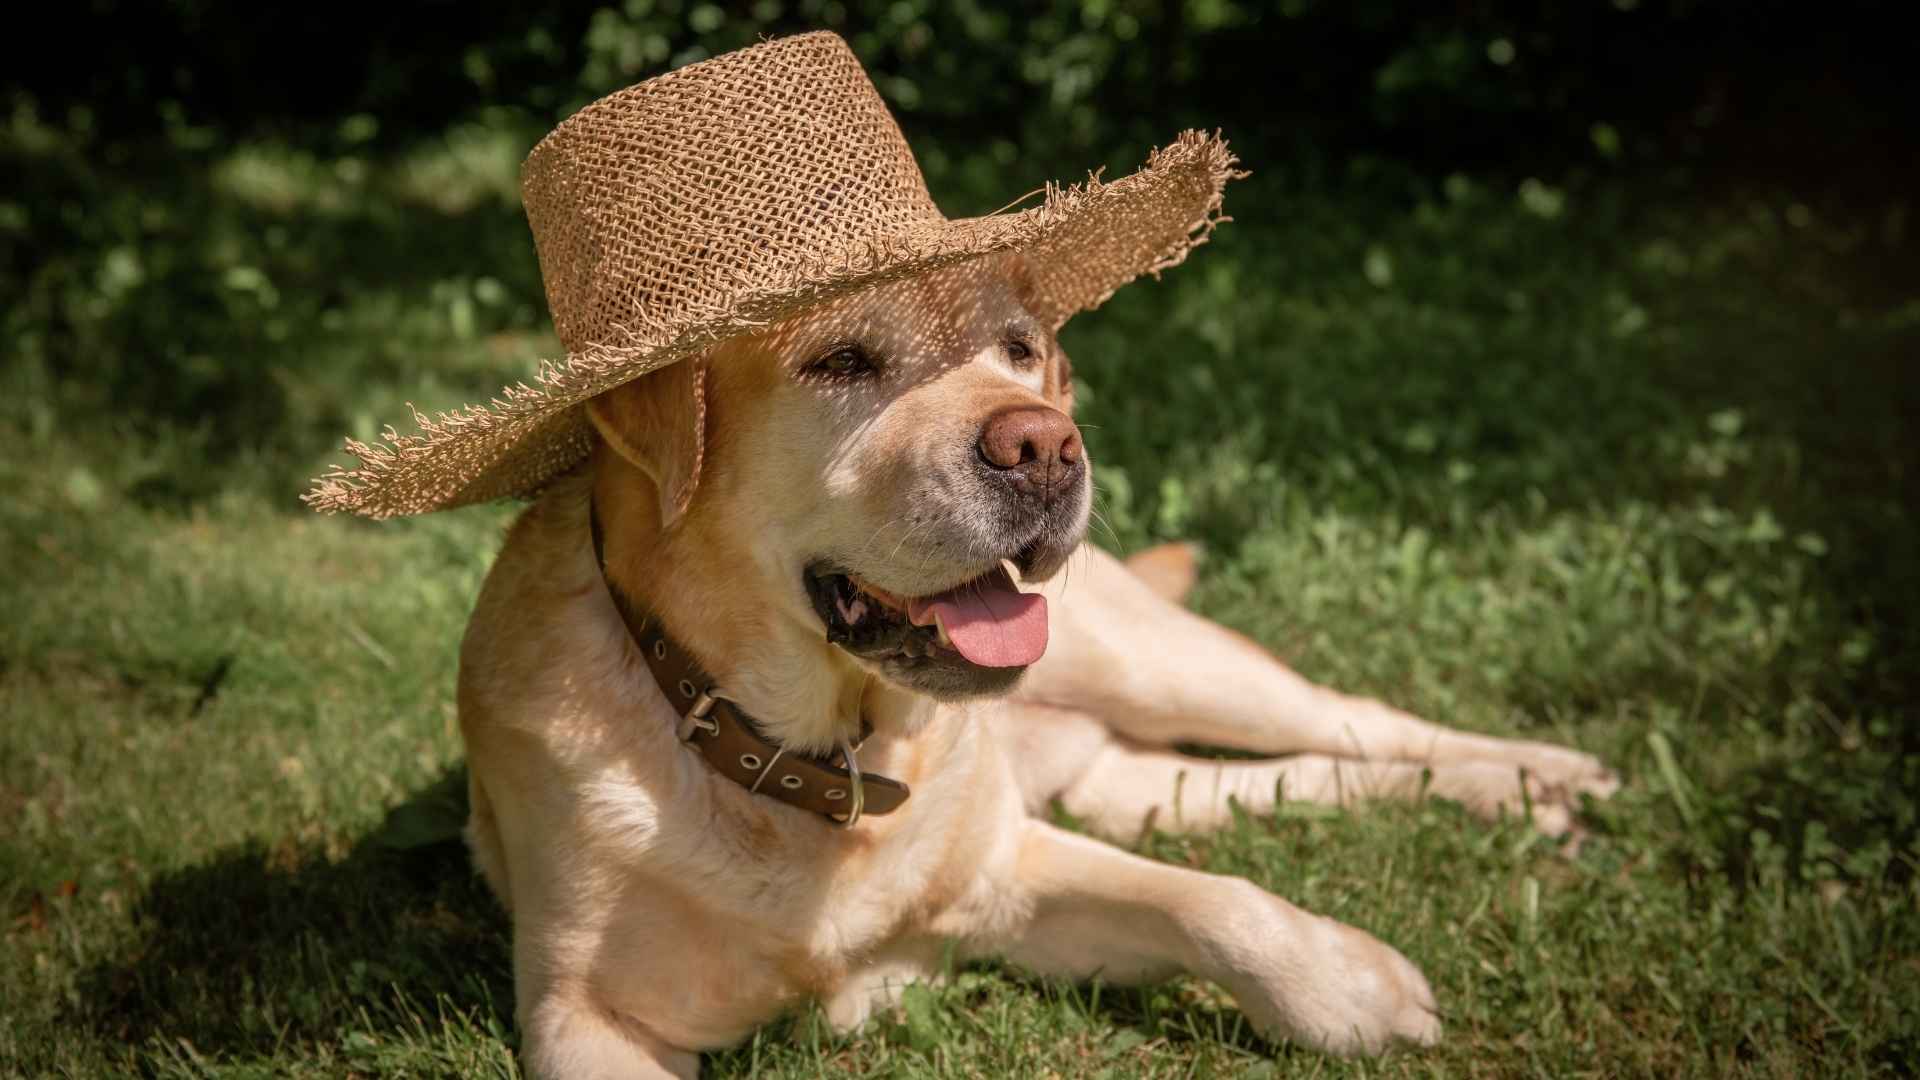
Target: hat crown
[{"x": 684, "y": 195}]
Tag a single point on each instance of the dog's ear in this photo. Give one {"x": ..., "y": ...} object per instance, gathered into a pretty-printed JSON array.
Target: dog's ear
[
  {"x": 659, "y": 423},
  {"x": 1018, "y": 273}
]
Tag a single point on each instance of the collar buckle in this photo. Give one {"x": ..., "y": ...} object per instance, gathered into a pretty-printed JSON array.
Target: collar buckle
[
  {"x": 696, "y": 718},
  {"x": 857, "y": 788}
]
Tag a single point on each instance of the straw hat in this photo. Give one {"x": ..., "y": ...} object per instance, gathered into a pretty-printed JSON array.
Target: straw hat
[{"x": 727, "y": 195}]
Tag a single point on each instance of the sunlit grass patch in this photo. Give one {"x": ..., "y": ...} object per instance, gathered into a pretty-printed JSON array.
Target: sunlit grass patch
[{"x": 1620, "y": 476}]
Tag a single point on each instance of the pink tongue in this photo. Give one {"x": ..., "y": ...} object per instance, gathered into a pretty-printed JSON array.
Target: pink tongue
[{"x": 990, "y": 622}]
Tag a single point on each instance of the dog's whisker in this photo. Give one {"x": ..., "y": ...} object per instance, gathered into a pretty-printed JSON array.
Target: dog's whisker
[
  {"x": 888, "y": 524},
  {"x": 1099, "y": 519}
]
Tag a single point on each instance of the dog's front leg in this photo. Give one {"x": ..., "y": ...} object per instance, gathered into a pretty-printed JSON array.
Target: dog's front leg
[
  {"x": 569, "y": 1036},
  {"x": 879, "y": 981},
  {"x": 1094, "y": 910}
]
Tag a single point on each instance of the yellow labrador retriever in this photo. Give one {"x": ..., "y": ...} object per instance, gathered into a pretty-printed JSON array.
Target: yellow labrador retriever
[{"x": 864, "y": 530}]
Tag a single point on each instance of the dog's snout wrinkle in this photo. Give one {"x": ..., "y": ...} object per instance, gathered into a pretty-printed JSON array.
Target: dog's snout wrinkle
[{"x": 1035, "y": 447}]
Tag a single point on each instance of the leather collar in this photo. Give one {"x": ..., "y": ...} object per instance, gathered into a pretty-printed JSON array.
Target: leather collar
[{"x": 730, "y": 741}]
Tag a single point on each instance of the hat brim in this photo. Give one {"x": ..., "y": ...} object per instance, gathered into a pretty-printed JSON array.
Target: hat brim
[{"x": 1082, "y": 244}]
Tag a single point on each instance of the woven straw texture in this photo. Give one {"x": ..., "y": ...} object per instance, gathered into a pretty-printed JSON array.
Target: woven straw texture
[{"x": 725, "y": 196}]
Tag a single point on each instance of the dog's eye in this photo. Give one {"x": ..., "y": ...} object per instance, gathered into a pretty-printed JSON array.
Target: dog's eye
[
  {"x": 1019, "y": 353},
  {"x": 844, "y": 362}
]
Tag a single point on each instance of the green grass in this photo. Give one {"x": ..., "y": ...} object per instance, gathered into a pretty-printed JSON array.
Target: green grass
[{"x": 1626, "y": 470}]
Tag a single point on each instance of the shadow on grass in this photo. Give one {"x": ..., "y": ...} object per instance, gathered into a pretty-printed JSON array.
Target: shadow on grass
[
  {"x": 1790, "y": 818},
  {"x": 265, "y": 947}
]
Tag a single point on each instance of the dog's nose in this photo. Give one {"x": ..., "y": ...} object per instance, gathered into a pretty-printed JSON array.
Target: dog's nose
[{"x": 1036, "y": 447}]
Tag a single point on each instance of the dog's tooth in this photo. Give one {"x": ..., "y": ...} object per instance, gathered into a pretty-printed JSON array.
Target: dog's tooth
[
  {"x": 940, "y": 627},
  {"x": 853, "y": 612}
]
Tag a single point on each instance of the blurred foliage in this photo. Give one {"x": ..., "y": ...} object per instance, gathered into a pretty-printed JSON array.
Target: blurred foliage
[
  {"x": 1487, "y": 83},
  {"x": 179, "y": 170}
]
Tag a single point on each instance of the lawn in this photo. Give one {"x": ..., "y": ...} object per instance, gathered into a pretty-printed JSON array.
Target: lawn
[{"x": 1613, "y": 464}]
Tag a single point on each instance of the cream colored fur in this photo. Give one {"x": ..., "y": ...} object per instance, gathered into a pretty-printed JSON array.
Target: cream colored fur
[{"x": 660, "y": 910}]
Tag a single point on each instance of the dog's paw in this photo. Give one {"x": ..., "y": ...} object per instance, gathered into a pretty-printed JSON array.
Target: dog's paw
[
  {"x": 1557, "y": 779},
  {"x": 877, "y": 988},
  {"x": 1546, "y": 780},
  {"x": 1368, "y": 996},
  {"x": 1564, "y": 774},
  {"x": 1544, "y": 788},
  {"x": 1339, "y": 989}
]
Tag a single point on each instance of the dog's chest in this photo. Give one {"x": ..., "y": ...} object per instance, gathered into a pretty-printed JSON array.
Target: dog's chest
[{"x": 726, "y": 926}]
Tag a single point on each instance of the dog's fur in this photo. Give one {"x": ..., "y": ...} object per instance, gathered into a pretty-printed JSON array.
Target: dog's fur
[{"x": 660, "y": 909}]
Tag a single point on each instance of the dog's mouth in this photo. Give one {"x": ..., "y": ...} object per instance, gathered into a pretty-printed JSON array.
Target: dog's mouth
[{"x": 986, "y": 622}]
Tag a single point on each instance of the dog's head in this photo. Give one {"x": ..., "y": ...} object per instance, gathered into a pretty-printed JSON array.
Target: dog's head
[{"x": 844, "y": 488}]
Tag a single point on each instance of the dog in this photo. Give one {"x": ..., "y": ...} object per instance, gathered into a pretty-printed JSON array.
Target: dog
[{"x": 868, "y": 523}]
